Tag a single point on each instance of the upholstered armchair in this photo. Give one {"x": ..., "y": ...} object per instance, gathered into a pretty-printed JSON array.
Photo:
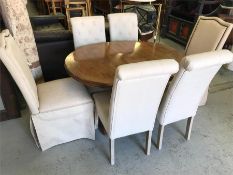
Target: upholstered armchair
[
  {"x": 88, "y": 30},
  {"x": 123, "y": 26},
  {"x": 132, "y": 106},
  {"x": 184, "y": 93},
  {"x": 61, "y": 110}
]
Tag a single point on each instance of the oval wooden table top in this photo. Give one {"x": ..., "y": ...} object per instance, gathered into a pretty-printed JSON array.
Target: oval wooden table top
[{"x": 95, "y": 64}]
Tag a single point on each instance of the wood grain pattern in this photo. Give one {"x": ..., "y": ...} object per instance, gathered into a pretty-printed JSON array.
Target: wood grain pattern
[{"x": 95, "y": 64}]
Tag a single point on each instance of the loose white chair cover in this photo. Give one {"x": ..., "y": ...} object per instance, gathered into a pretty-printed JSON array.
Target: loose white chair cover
[
  {"x": 61, "y": 110},
  {"x": 88, "y": 30},
  {"x": 132, "y": 106},
  {"x": 184, "y": 93},
  {"x": 123, "y": 26}
]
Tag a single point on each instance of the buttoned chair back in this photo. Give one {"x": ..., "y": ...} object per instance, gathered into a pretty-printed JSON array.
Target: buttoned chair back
[
  {"x": 184, "y": 93},
  {"x": 123, "y": 26},
  {"x": 209, "y": 34},
  {"x": 88, "y": 30},
  {"x": 14, "y": 60},
  {"x": 61, "y": 110}
]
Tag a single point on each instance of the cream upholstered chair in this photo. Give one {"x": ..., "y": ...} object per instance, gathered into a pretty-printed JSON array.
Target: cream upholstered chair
[
  {"x": 61, "y": 110},
  {"x": 187, "y": 87},
  {"x": 209, "y": 34},
  {"x": 132, "y": 106},
  {"x": 88, "y": 30},
  {"x": 123, "y": 26}
]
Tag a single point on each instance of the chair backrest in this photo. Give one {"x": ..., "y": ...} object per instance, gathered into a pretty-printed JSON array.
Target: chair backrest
[
  {"x": 123, "y": 26},
  {"x": 15, "y": 61},
  {"x": 184, "y": 94},
  {"x": 88, "y": 30},
  {"x": 209, "y": 34},
  {"x": 136, "y": 95}
]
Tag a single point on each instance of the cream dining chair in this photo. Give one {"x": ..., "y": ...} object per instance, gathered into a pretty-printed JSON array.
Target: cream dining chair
[
  {"x": 132, "y": 106},
  {"x": 123, "y": 26},
  {"x": 61, "y": 110},
  {"x": 183, "y": 95},
  {"x": 209, "y": 34},
  {"x": 88, "y": 30}
]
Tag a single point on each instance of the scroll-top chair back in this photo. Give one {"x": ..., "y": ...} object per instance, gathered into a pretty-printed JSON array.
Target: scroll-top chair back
[
  {"x": 186, "y": 89},
  {"x": 14, "y": 60},
  {"x": 123, "y": 26},
  {"x": 136, "y": 95},
  {"x": 132, "y": 106},
  {"x": 209, "y": 34},
  {"x": 88, "y": 30},
  {"x": 183, "y": 95}
]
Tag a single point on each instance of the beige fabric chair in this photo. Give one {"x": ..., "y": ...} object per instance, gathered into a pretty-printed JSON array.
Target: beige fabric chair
[
  {"x": 182, "y": 98},
  {"x": 61, "y": 110},
  {"x": 16, "y": 19},
  {"x": 88, "y": 30},
  {"x": 209, "y": 34},
  {"x": 132, "y": 106},
  {"x": 123, "y": 26}
]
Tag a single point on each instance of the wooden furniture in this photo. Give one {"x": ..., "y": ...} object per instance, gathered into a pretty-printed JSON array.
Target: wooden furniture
[
  {"x": 95, "y": 65},
  {"x": 74, "y": 6},
  {"x": 104, "y": 7},
  {"x": 54, "y": 5},
  {"x": 181, "y": 16},
  {"x": 71, "y": 6}
]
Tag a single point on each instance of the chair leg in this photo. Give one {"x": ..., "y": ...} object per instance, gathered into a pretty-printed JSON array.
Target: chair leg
[
  {"x": 112, "y": 151},
  {"x": 204, "y": 98},
  {"x": 96, "y": 119},
  {"x": 189, "y": 128},
  {"x": 160, "y": 136},
  {"x": 148, "y": 142}
]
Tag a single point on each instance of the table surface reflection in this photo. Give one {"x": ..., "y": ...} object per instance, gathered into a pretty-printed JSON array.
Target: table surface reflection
[{"x": 95, "y": 64}]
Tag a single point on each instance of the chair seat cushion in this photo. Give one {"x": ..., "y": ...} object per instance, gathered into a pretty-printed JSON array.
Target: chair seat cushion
[
  {"x": 102, "y": 102},
  {"x": 62, "y": 93}
]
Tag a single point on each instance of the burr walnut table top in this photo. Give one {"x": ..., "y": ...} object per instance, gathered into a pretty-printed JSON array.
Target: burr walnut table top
[{"x": 95, "y": 64}]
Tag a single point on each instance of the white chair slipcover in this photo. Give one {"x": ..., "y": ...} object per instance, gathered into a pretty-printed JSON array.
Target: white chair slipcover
[
  {"x": 132, "y": 106},
  {"x": 61, "y": 110},
  {"x": 184, "y": 93},
  {"x": 123, "y": 26}
]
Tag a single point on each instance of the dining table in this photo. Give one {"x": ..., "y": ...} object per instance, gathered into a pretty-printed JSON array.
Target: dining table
[{"x": 95, "y": 64}]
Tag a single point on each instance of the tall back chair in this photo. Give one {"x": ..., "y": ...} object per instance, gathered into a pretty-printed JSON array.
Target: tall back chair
[
  {"x": 88, "y": 30},
  {"x": 61, "y": 110},
  {"x": 182, "y": 98},
  {"x": 209, "y": 34},
  {"x": 123, "y": 26},
  {"x": 132, "y": 106}
]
